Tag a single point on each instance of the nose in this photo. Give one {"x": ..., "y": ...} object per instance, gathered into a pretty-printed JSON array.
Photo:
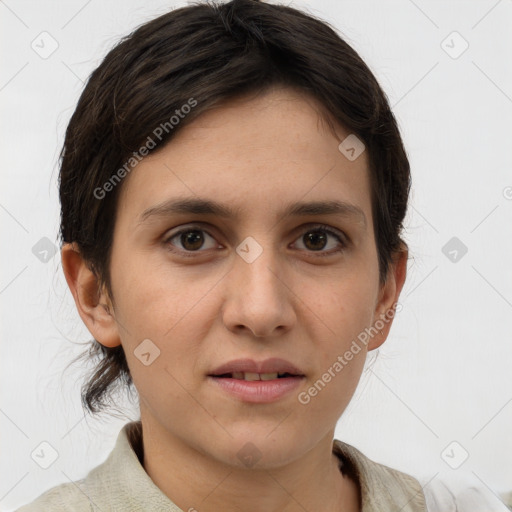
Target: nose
[{"x": 259, "y": 297}]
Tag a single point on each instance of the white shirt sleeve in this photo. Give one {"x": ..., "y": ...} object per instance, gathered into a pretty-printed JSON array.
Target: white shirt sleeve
[{"x": 457, "y": 496}]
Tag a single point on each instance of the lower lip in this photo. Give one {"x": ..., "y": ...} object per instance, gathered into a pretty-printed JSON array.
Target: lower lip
[{"x": 258, "y": 391}]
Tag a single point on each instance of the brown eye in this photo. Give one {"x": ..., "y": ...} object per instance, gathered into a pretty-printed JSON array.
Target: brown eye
[
  {"x": 191, "y": 239},
  {"x": 318, "y": 238},
  {"x": 315, "y": 240}
]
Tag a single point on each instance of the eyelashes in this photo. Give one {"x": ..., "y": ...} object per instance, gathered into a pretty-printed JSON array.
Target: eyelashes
[{"x": 320, "y": 233}]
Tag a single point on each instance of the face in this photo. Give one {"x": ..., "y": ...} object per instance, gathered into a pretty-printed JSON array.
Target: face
[{"x": 281, "y": 290}]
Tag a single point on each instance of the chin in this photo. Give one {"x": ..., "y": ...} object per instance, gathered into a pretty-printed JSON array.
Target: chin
[{"x": 264, "y": 447}]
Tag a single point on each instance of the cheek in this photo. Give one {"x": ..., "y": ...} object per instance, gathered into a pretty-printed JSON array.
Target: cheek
[
  {"x": 341, "y": 349},
  {"x": 153, "y": 296},
  {"x": 347, "y": 304},
  {"x": 171, "y": 308}
]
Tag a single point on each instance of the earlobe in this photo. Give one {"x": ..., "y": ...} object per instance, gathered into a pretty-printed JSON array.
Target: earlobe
[
  {"x": 93, "y": 304},
  {"x": 388, "y": 298}
]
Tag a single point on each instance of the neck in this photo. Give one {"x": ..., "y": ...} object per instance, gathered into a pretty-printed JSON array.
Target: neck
[{"x": 197, "y": 483}]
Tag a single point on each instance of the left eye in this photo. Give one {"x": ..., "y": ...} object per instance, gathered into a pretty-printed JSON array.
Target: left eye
[
  {"x": 319, "y": 236},
  {"x": 314, "y": 239}
]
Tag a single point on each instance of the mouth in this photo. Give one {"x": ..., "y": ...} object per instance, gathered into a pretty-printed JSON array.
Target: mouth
[
  {"x": 258, "y": 382},
  {"x": 251, "y": 370},
  {"x": 249, "y": 376}
]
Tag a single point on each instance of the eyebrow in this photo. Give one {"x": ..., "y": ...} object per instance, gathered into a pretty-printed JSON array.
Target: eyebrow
[{"x": 200, "y": 206}]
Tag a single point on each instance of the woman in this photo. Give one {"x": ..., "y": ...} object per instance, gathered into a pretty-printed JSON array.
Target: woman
[{"x": 233, "y": 186}]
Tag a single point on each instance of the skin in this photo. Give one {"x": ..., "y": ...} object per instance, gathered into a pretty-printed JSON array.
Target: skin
[{"x": 257, "y": 154}]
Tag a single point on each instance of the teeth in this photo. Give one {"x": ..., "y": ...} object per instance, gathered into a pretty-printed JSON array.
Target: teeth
[
  {"x": 268, "y": 376},
  {"x": 254, "y": 376}
]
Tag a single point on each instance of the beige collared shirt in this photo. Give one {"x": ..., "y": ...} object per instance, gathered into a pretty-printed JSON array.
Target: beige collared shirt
[{"x": 120, "y": 484}]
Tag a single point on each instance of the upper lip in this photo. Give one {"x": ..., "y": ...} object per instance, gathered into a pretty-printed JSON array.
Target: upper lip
[{"x": 272, "y": 365}]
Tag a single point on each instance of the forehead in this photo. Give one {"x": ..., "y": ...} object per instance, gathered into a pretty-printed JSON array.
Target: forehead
[{"x": 254, "y": 154}]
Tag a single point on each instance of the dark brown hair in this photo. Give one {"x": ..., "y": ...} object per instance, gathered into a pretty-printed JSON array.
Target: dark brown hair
[{"x": 212, "y": 53}]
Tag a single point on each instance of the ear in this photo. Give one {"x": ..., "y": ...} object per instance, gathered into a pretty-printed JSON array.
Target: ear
[
  {"x": 388, "y": 298},
  {"x": 94, "y": 305}
]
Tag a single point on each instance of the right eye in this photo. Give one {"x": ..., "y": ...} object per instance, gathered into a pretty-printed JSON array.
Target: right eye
[{"x": 191, "y": 240}]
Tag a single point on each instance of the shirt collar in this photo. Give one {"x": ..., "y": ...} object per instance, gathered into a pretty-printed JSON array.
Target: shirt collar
[
  {"x": 382, "y": 488},
  {"x": 122, "y": 477}
]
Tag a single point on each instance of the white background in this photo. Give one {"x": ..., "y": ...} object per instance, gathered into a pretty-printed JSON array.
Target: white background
[{"x": 444, "y": 373}]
